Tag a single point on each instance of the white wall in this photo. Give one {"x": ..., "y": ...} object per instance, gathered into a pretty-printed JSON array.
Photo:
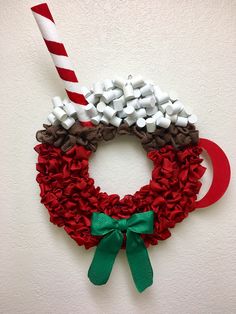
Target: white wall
[{"x": 189, "y": 46}]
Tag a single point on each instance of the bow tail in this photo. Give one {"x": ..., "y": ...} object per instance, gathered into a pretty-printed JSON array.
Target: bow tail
[
  {"x": 139, "y": 261},
  {"x": 104, "y": 257}
]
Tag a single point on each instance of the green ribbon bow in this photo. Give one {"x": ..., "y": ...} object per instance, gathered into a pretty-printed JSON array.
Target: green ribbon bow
[{"x": 109, "y": 246}]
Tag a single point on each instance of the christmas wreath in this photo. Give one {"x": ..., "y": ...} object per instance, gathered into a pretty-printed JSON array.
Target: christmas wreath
[{"x": 118, "y": 107}]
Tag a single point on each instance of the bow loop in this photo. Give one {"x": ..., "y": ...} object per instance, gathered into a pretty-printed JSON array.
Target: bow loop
[
  {"x": 101, "y": 224},
  {"x": 142, "y": 223},
  {"x": 109, "y": 246}
]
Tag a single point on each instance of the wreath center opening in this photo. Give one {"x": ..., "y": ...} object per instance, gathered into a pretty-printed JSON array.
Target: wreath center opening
[{"x": 120, "y": 166}]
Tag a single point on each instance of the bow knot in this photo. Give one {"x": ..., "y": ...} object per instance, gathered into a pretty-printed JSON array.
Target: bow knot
[
  {"x": 109, "y": 246},
  {"x": 122, "y": 224}
]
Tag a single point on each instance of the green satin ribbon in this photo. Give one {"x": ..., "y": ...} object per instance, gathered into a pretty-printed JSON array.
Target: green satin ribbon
[{"x": 109, "y": 246}]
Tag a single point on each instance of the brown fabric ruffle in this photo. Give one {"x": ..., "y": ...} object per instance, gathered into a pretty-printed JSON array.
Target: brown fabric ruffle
[{"x": 89, "y": 137}]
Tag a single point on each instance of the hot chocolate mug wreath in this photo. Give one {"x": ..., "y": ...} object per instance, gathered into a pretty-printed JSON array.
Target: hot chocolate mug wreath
[{"x": 166, "y": 130}]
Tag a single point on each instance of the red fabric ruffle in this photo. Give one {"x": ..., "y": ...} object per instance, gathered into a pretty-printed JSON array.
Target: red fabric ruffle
[{"x": 70, "y": 196}]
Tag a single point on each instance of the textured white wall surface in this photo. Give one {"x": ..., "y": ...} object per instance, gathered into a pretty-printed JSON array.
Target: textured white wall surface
[{"x": 188, "y": 46}]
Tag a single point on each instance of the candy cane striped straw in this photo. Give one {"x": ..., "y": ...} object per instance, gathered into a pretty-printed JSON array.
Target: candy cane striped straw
[{"x": 60, "y": 58}]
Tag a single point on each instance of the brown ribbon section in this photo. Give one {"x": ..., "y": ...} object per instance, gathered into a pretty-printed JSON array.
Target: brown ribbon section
[{"x": 89, "y": 137}]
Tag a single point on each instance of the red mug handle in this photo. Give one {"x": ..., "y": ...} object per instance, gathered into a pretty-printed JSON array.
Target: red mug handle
[{"x": 221, "y": 173}]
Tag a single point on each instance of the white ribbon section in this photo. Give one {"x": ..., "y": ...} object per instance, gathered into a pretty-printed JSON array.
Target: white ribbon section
[
  {"x": 47, "y": 28},
  {"x": 62, "y": 62},
  {"x": 72, "y": 87}
]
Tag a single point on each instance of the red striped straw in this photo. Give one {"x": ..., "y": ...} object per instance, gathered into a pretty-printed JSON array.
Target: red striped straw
[{"x": 60, "y": 58}]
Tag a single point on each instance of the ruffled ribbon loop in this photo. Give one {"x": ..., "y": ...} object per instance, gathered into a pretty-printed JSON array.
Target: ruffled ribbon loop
[{"x": 109, "y": 246}]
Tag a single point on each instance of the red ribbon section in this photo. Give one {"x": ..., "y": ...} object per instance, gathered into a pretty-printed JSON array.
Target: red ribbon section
[
  {"x": 43, "y": 10},
  {"x": 221, "y": 173}
]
